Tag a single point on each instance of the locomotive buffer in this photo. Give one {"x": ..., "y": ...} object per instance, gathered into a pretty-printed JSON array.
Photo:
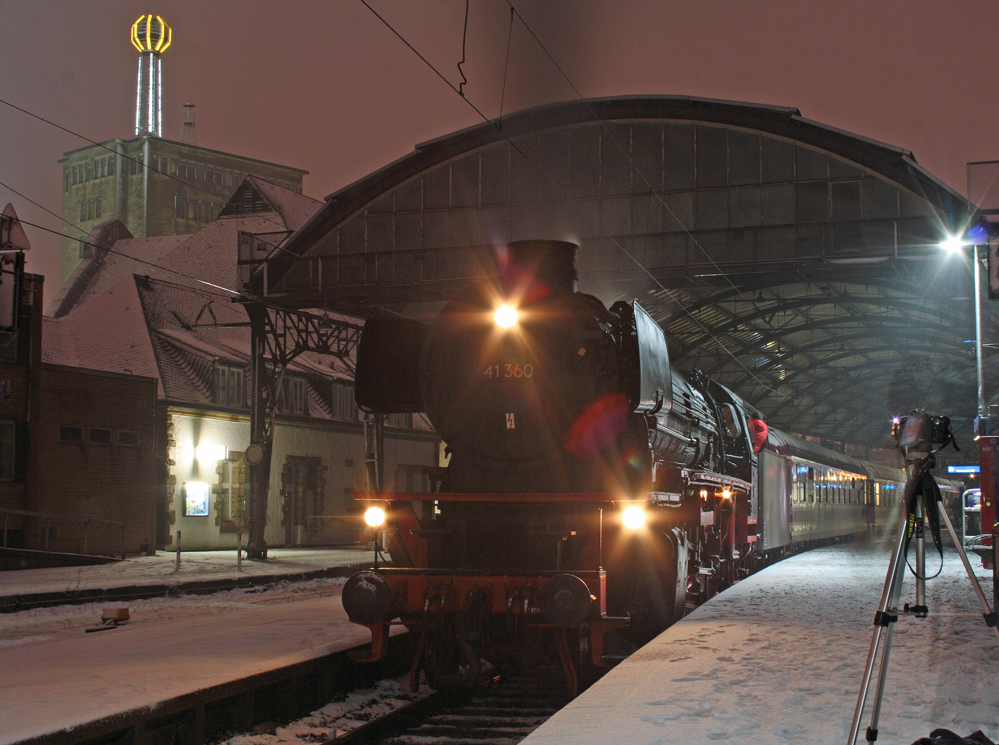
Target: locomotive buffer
[{"x": 919, "y": 436}]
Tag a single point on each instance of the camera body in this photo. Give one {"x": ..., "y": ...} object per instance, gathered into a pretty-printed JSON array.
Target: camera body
[{"x": 920, "y": 434}]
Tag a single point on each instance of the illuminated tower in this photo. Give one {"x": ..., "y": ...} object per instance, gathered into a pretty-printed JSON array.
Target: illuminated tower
[{"x": 151, "y": 36}]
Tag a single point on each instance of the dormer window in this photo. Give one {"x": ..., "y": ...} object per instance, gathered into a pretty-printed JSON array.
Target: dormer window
[
  {"x": 230, "y": 385},
  {"x": 293, "y": 395}
]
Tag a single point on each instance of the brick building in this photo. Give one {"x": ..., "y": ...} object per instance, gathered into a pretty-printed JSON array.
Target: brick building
[{"x": 76, "y": 446}]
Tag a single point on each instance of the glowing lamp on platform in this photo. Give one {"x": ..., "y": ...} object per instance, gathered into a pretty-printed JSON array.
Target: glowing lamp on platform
[{"x": 375, "y": 517}]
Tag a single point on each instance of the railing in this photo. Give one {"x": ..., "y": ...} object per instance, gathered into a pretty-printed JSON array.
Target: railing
[{"x": 49, "y": 536}]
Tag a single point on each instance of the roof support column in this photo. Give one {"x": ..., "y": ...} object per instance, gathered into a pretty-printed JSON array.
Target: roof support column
[{"x": 261, "y": 429}]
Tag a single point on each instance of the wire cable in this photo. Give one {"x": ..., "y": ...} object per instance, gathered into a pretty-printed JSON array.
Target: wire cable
[
  {"x": 569, "y": 198},
  {"x": 139, "y": 163}
]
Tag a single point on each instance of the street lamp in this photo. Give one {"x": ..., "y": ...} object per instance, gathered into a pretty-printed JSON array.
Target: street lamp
[{"x": 977, "y": 238}]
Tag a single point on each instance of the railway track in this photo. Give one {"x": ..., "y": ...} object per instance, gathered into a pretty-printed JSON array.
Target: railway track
[{"x": 504, "y": 712}]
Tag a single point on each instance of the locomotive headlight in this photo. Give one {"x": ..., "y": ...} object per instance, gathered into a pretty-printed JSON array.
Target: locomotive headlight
[
  {"x": 375, "y": 517},
  {"x": 506, "y": 316},
  {"x": 633, "y": 517}
]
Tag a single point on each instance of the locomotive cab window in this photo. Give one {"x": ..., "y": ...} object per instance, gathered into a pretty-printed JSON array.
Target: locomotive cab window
[{"x": 731, "y": 421}]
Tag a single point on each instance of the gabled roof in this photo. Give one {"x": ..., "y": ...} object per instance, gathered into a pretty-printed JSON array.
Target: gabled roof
[
  {"x": 256, "y": 195},
  {"x": 108, "y": 333},
  {"x": 208, "y": 256},
  {"x": 154, "y": 307}
]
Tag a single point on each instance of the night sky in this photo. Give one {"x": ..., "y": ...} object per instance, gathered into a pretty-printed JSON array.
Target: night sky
[{"x": 327, "y": 87}]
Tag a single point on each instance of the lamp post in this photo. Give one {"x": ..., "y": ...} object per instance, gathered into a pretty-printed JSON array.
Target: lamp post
[{"x": 978, "y": 241}]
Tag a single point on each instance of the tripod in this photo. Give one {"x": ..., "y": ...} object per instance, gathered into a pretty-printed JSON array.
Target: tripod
[{"x": 922, "y": 498}]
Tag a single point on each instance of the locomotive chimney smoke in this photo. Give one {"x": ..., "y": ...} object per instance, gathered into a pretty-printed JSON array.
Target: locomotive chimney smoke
[{"x": 552, "y": 262}]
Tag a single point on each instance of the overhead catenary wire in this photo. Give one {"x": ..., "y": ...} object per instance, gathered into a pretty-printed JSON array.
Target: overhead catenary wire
[{"x": 568, "y": 197}]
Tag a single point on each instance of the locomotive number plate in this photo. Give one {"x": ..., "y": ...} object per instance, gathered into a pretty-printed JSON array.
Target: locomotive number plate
[{"x": 509, "y": 370}]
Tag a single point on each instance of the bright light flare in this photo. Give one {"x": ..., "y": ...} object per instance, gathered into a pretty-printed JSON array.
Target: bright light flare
[
  {"x": 726, "y": 494},
  {"x": 952, "y": 244},
  {"x": 633, "y": 517},
  {"x": 506, "y": 316},
  {"x": 375, "y": 517}
]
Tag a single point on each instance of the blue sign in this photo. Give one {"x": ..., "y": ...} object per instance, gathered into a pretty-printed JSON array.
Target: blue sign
[{"x": 964, "y": 469}]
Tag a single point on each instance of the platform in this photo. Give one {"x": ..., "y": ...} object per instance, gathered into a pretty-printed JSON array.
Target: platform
[
  {"x": 779, "y": 658},
  {"x": 54, "y": 676}
]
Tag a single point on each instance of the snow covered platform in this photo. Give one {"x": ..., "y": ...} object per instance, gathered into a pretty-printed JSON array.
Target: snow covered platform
[
  {"x": 159, "y": 575},
  {"x": 779, "y": 658},
  {"x": 55, "y": 678}
]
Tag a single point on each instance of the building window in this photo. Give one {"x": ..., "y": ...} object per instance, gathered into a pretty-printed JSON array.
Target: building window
[
  {"x": 343, "y": 402},
  {"x": 400, "y": 420},
  {"x": 100, "y": 436},
  {"x": 73, "y": 175},
  {"x": 293, "y": 395},
  {"x": 128, "y": 438},
  {"x": 97, "y": 207},
  {"x": 230, "y": 493},
  {"x": 230, "y": 389},
  {"x": 7, "y": 450},
  {"x": 411, "y": 478},
  {"x": 70, "y": 434}
]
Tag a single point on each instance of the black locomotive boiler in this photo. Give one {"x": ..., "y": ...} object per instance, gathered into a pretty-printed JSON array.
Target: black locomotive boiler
[{"x": 591, "y": 487}]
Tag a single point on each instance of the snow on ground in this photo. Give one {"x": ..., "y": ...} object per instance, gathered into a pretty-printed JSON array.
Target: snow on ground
[
  {"x": 337, "y": 718},
  {"x": 53, "y": 675},
  {"x": 779, "y": 658},
  {"x": 776, "y": 659},
  {"x": 162, "y": 568}
]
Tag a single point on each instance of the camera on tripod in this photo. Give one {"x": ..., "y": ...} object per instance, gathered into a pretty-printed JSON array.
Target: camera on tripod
[{"x": 920, "y": 434}]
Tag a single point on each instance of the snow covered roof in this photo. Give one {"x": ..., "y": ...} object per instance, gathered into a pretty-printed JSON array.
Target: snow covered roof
[
  {"x": 208, "y": 255},
  {"x": 148, "y": 306}
]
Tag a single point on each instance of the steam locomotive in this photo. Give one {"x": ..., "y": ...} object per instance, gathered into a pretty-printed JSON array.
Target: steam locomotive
[{"x": 592, "y": 490}]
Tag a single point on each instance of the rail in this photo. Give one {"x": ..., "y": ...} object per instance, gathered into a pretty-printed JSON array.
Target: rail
[{"x": 48, "y": 534}]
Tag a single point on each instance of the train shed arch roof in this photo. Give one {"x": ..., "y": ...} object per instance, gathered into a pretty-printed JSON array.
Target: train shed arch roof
[{"x": 794, "y": 262}]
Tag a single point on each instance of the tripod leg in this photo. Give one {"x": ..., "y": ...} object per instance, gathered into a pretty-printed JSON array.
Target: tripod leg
[
  {"x": 883, "y": 624},
  {"x": 919, "y": 538},
  {"x": 990, "y": 615}
]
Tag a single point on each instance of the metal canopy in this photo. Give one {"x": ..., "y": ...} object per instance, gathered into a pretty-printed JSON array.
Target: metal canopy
[{"x": 794, "y": 263}]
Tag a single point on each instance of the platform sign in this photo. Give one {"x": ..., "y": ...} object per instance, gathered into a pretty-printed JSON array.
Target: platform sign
[
  {"x": 964, "y": 469},
  {"x": 987, "y": 455}
]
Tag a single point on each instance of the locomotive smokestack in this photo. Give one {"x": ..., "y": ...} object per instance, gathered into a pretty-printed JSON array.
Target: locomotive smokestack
[{"x": 553, "y": 262}]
